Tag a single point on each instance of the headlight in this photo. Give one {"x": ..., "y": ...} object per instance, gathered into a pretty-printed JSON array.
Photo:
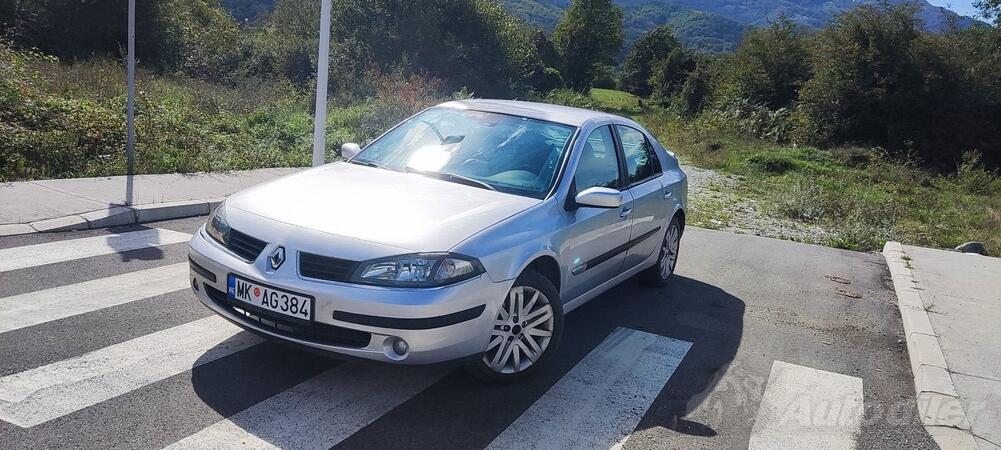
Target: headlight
[
  {"x": 217, "y": 226},
  {"x": 418, "y": 270}
]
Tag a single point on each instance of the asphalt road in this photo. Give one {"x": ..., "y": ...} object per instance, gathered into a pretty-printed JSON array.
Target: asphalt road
[{"x": 756, "y": 342}]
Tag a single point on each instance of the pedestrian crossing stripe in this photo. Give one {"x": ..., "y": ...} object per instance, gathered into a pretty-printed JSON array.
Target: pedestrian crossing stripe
[
  {"x": 33, "y": 308},
  {"x": 804, "y": 407},
  {"x": 318, "y": 413},
  {"x": 62, "y": 251},
  {"x": 602, "y": 399},
  {"x": 44, "y": 393}
]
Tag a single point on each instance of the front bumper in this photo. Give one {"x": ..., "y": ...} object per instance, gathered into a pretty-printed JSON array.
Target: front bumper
[{"x": 439, "y": 324}]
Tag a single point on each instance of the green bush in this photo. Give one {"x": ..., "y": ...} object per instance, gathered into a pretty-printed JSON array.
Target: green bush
[
  {"x": 772, "y": 163},
  {"x": 974, "y": 178},
  {"x": 742, "y": 117},
  {"x": 568, "y": 97},
  {"x": 196, "y": 37}
]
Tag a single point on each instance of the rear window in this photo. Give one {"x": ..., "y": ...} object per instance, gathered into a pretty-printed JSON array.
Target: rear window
[{"x": 641, "y": 159}]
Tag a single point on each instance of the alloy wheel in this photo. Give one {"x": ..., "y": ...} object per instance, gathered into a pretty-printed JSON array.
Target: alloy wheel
[
  {"x": 522, "y": 331},
  {"x": 669, "y": 251}
]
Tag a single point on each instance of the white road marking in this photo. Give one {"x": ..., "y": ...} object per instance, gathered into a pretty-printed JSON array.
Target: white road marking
[
  {"x": 318, "y": 413},
  {"x": 804, "y": 407},
  {"x": 45, "y": 393},
  {"x": 68, "y": 250},
  {"x": 33, "y": 308},
  {"x": 602, "y": 399}
]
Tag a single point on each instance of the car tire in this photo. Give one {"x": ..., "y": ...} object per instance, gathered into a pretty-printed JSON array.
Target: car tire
[
  {"x": 659, "y": 274},
  {"x": 514, "y": 340}
]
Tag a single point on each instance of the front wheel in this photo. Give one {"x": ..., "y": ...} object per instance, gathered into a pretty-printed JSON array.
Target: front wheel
[
  {"x": 525, "y": 333},
  {"x": 658, "y": 274}
]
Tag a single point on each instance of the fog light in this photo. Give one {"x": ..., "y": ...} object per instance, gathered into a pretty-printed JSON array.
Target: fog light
[{"x": 400, "y": 347}]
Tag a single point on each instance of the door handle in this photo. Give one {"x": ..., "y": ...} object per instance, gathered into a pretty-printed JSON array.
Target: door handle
[
  {"x": 668, "y": 193},
  {"x": 625, "y": 212}
]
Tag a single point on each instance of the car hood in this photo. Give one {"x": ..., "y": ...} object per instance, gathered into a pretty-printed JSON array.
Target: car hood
[{"x": 404, "y": 210}]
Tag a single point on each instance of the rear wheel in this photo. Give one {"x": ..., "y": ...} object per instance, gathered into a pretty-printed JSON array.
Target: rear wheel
[
  {"x": 658, "y": 274},
  {"x": 525, "y": 333}
]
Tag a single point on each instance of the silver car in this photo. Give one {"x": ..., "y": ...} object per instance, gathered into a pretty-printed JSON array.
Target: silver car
[{"x": 465, "y": 233}]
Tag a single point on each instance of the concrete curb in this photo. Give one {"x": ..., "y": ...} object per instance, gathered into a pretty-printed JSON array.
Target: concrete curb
[
  {"x": 115, "y": 216},
  {"x": 939, "y": 406}
]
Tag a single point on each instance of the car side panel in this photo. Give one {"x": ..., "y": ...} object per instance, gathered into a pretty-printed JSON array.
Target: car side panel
[
  {"x": 599, "y": 238},
  {"x": 650, "y": 209}
]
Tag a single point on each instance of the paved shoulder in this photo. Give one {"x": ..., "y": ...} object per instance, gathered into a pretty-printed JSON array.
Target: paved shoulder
[{"x": 950, "y": 303}]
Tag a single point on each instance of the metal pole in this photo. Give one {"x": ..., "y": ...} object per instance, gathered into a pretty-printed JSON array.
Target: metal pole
[
  {"x": 131, "y": 120},
  {"x": 322, "y": 68}
]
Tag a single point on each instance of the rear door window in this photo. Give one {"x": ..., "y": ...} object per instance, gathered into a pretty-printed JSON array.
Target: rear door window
[{"x": 641, "y": 159}]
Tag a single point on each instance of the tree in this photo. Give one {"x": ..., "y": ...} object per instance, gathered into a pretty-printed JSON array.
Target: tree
[
  {"x": 590, "y": 35},
  {"x": 867, "y": 85},
  {"x": 698, "y": 87},
  {"x": 769, "y": 66},
  {"x": 990, "y": 10},
  {"x": 652, "y": 46},
  {"x": 670, "y": 73},
  {"x": 549, "y": 56},
  {"x": 469, "y": 44},
  {"x": 541, "y": 64}
]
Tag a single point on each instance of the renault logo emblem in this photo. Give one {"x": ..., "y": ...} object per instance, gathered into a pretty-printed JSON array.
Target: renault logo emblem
[{"x": 277, "y": 258}]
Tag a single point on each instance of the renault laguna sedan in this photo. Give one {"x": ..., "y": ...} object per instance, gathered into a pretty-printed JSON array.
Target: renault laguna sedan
[{"x": 465, "y": 233}]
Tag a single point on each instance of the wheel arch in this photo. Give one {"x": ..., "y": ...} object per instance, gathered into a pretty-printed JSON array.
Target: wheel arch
[
  {"x": 548, "y": 267},
  {"x": 680, "y": 214}
]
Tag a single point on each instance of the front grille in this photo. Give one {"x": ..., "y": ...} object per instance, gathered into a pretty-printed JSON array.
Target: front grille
[
  {"x": 245, "y": 245},
  {"x": 319, "y": 333},
  {"x": 325, "y": 267}
]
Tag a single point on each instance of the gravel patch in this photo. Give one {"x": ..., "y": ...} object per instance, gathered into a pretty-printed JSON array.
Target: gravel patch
[{"x": 715, "y": 203}]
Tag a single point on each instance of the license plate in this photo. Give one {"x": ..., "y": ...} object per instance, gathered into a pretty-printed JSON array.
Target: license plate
[{"x": 266, "y": 297}]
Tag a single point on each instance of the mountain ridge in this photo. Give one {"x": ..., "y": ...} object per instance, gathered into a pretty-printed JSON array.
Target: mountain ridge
[
  {"x": 717, "y": 25},
  {"x": 712, "y": 26}
]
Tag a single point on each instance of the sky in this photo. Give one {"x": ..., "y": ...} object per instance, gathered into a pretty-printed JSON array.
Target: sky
[{"x": 964, "y": 7}]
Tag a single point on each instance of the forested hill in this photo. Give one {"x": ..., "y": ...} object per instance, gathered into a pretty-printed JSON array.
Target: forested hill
[
  {"x": 717, "y": 25},
  {"x": 699, "y": 30},
  {"x": 713, "y": 26}
]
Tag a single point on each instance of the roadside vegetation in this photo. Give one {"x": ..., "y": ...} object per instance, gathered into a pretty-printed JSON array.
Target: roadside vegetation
[
  {"x": 848, "y": 197},
  {"x": 868, "y": 130}
]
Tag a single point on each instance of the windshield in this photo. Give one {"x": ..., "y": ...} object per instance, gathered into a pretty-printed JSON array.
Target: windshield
[{"x": 494, "y": 151}]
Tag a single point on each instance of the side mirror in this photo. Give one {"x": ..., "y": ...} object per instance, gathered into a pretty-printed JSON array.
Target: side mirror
[
  {"x": 599, "y": 197},
  {"x": 349, "y": 150}
]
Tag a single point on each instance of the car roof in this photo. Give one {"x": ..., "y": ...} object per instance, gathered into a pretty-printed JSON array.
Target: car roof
[{"x": 541, "y": 111}]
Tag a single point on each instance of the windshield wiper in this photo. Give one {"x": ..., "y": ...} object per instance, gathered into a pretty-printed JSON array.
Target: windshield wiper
[
  {"x": 454, "y": 178},
  {"x": 361, "y": 162}
]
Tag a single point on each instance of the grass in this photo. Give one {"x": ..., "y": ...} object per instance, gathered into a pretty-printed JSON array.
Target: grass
[
  {"x": 862, "y": 196},
  {"x": 617, "y": 101}
]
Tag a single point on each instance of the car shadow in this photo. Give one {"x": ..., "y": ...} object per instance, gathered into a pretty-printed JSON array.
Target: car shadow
[
  {"x": 687, "y": 309},
  {"x": 708, "y": 317}
]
